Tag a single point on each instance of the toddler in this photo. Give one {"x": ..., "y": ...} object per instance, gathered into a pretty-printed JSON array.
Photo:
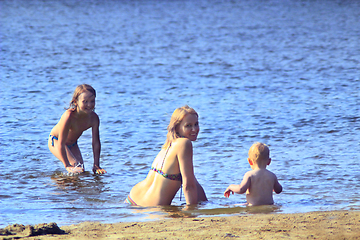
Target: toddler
[{"x": 259, "y": 183}]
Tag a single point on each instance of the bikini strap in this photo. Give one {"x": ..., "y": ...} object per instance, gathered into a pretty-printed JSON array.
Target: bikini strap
[{"x": 165, "y": 157}]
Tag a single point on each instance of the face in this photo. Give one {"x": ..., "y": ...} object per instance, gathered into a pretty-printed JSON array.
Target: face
[
  {"x": 86, "y": 102},
  {"x": 189, "y": 127}
]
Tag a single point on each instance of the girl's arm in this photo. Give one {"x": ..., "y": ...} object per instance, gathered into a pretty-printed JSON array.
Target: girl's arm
[
  {"x": 185, "y": 158},
  {"x": 96, "y": 145},
  {"x": 64, "y": 127}
]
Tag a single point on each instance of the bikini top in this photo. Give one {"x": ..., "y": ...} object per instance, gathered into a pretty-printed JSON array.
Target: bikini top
[{"x": 176, "y": 177}]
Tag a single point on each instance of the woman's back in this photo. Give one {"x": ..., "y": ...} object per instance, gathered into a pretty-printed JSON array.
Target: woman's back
[{"x": 162, "y": 182}]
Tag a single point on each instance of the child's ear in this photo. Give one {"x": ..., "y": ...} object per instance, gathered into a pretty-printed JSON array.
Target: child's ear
[
  {"x": 269, "y": 161},
  {"x": 250, "y": 162}
]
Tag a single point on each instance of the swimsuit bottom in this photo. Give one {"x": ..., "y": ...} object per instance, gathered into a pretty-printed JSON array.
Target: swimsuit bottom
[
  {"x": 130, "y": 201},
  {"x": 52, "y": 141}
]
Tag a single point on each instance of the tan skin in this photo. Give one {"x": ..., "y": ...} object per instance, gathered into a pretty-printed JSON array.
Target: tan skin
[
  {"x": 258, "y": 184},
  {"x": 68, "y": 130},
  {"x": 155, "y": 189}
]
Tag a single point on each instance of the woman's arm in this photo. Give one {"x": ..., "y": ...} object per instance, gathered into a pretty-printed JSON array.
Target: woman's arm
[
  {"x": 201, "y": 192},
  {"x": 185, "y": 158}
]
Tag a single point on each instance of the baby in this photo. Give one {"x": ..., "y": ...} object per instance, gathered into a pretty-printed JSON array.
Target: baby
[{"x": 259, "y": 183}]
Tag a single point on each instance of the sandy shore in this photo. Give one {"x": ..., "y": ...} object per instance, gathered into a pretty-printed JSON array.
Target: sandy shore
[{"x": 315, "y": 225}]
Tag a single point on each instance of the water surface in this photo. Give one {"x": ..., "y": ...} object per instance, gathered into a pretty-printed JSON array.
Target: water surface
[{"x": 281, "y": 72}]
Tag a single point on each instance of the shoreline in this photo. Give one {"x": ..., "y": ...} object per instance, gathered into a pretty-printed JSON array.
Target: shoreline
[{"x": 312, "y": 225}]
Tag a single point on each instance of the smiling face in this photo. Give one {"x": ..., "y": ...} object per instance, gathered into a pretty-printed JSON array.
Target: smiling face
[
  {"x": 189, "y": 127},
  {"x": 86, "y": 102}
]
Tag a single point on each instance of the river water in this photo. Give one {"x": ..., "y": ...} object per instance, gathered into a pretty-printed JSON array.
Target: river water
[{"x": 285, "y": 73}]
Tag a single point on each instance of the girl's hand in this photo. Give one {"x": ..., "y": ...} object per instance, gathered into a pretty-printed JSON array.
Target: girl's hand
[
  {"x": 227, "y": 193},
  {"x": 75, "y": 170},
  {"x": 98, "y": 170}
]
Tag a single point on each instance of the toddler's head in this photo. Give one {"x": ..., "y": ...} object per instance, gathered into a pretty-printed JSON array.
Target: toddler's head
[{"x": 259, "y": 153}]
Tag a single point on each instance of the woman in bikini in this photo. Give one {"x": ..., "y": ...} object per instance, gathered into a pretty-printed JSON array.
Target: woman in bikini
[
  {"x": 79, "y": 117},
  {"x": 173, "y": 166}
]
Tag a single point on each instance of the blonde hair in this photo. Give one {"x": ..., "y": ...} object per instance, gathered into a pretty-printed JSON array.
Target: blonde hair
[
  {"x": 259, "y": 152},
  {"x": 79, "y": 90},
  {"x": 176, "y": 118}
]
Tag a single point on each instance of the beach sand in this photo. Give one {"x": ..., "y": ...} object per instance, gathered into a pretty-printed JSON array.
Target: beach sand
[{"x": 314, "y": 225}]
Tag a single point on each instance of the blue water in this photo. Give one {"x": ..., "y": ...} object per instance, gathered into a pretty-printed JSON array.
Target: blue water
[{"x": 281, "y": 72}]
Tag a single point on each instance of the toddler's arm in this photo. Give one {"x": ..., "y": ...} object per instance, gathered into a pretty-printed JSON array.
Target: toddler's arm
[
  {"x": 240, "y": 189},
  {"x": 231, "y": 189},
  {"x": 277, "y": 186}
]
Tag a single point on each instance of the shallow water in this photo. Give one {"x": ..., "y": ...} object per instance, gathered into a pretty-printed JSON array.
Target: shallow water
[{"x": 281, "y": 72}]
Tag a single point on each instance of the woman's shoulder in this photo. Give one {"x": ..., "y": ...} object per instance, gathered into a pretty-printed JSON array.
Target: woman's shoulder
[{"x": 182, "y": 143}]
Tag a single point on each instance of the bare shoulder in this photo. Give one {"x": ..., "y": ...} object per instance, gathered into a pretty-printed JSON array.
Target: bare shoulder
[
  {"x": 182, "y": 147},
  {"x": 250, "y": 173},
  {"x": 67, "y": 114},
  {"x": 270, "y": 174},
  {"x": 182, "y": 143},
  {"x": 94, "y": 118}
]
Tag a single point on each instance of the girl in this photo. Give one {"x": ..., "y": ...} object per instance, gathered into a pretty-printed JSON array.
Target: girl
[
  {"x": 79, "y": 117},
  {"x": 173, "y": 166}
]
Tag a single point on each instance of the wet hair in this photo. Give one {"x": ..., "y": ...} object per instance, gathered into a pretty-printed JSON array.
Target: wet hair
[
  {"x": 79, "y": 90},
  {"x": 259, "y": 152},
  {"x": 176, "y": 118}
]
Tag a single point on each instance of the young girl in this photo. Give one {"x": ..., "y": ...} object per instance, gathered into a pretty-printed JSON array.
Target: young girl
[{"x": 79, "y": 117}]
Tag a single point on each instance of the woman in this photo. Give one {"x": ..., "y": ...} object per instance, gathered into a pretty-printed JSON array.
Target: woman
[{"x": 173, "y": 166}]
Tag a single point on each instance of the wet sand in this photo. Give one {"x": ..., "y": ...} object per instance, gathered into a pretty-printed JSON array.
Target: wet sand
[{"x": 314, "y": 225}]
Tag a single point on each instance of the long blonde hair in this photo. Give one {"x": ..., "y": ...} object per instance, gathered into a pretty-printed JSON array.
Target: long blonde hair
[
  {"x": 176, "y": 118},
  {"x": 79, "y": 90}
]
